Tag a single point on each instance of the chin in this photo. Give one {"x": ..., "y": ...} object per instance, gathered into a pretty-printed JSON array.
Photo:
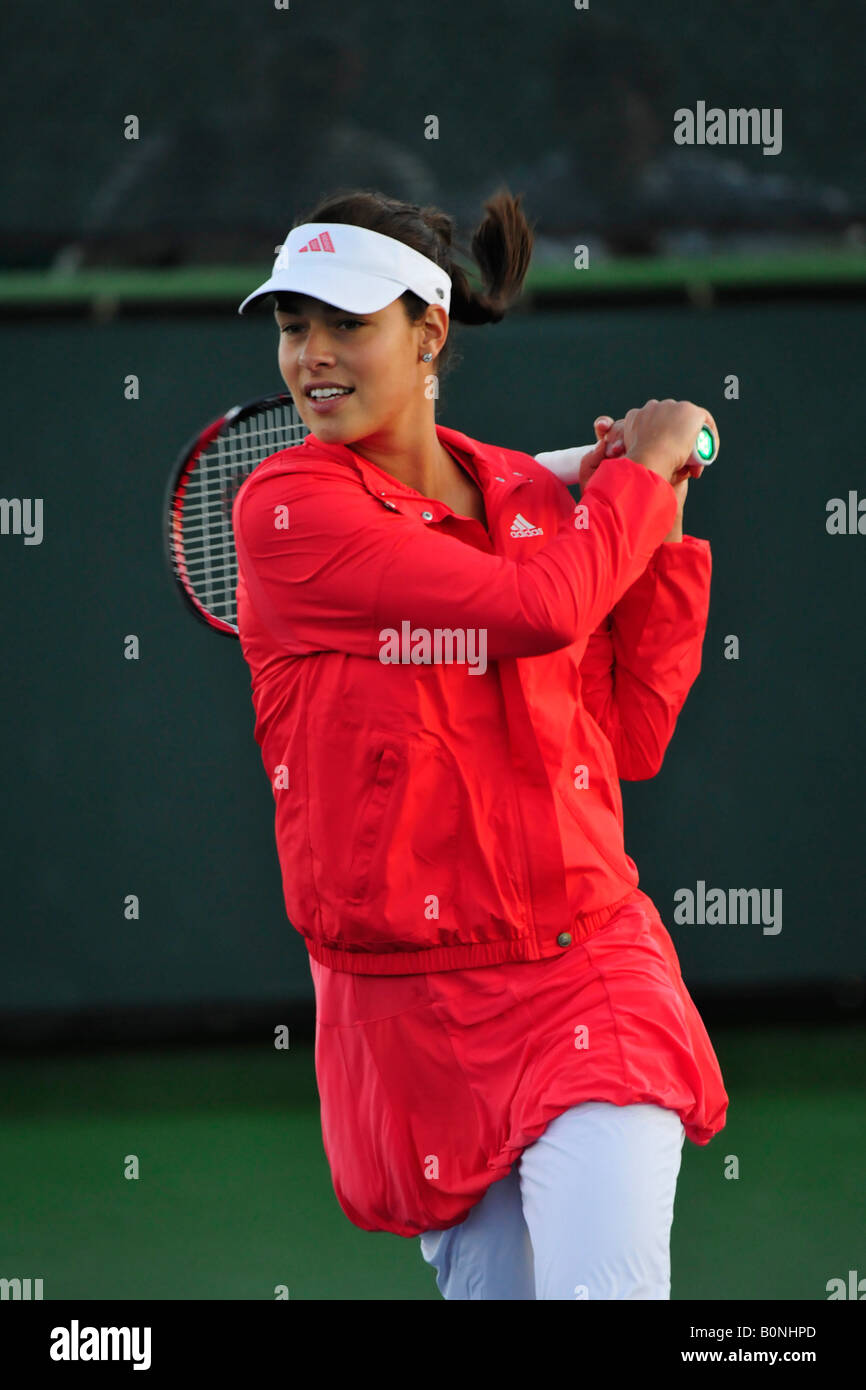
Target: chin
[
  {"x": 331, "y": 433},
  {"x": 324, "y": 425}
]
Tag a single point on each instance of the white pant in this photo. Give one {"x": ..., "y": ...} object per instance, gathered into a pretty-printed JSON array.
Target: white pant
[{"x": 585, "y": 1212}]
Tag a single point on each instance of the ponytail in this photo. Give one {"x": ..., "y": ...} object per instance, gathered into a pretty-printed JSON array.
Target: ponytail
[{"x": 501, "y": 248}]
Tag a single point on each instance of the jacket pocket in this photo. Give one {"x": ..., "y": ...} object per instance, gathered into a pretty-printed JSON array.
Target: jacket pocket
[
  {"x": 352, "y": 773},
  {"x": 370, "y": 823}
]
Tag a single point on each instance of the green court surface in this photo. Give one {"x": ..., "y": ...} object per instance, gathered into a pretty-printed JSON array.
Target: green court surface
[{"x": 234, "y": 1195}]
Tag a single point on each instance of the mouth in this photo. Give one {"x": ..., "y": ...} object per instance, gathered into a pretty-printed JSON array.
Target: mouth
[
  {"x": 323, "y": 390},
  {"x": 324, "y": 400}
]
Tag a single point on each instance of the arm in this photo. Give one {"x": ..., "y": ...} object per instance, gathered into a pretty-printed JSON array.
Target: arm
[
  {"x": 644, "y": 657},
  {"x": 575, "y": 467},
  {"x": 346, "y": 568}
]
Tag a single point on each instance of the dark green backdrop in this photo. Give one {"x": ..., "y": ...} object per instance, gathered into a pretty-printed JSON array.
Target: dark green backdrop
[
  {"x": 487, "y": 69},
  {"x": 143, "y": 777}
]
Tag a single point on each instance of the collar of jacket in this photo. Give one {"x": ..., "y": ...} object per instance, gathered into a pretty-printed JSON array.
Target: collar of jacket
[{"x": 486, "y": 463}]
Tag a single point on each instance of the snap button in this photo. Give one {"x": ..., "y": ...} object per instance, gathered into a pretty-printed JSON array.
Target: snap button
[
  {"x": 428, "y": 516},
  {"x": 564, "y": 938},
  {"x": 392, "y": 505},
  {"x": 500, "y": 480},
  {"x": 517, "y": 475}
]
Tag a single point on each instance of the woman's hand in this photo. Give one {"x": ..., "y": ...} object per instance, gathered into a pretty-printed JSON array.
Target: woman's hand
[
  {"x": 611, "y": 444},
  {"x": 604, "y": 427}
]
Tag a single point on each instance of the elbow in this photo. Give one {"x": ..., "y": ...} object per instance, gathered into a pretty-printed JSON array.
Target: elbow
[
  {"x": 561, "y": 633},
  {"x": 639, "y": 764},
  {"x": 561, "y": 637},
  {"x": 541, "y": 639},
  {"x": 639, "y": 774}
]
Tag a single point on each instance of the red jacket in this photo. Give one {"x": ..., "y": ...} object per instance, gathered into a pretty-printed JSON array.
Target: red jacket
[{"x": 434, "y": 816}]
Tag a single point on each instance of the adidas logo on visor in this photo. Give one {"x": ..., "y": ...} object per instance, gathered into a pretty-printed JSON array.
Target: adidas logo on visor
[{"x": 322, "y": 242}]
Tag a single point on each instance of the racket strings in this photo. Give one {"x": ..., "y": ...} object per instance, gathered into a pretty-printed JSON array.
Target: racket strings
[{"x": 205, "y": 555}]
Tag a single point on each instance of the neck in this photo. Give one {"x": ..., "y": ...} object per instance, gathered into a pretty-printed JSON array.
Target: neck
[{"x": 411, "y": 452}]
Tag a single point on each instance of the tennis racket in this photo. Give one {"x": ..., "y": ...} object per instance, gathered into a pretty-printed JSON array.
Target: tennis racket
[{"x": 199, "y": 540}]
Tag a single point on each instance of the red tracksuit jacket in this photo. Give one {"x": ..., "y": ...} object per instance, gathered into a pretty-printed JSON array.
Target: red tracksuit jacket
[{"x": 440, "y": 816}]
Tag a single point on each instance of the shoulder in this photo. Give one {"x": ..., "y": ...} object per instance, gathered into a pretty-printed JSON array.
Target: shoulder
[
  {"x": 298, "y": 471},
  {"x": 494, "y": 455},
  {"x": 321, "y": 498},
  {"x": 546, "y": 486},
  {"x": 549, "y": 493}
]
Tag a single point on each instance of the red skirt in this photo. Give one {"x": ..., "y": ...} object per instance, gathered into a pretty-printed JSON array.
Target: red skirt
[{"x": 432, "y": 1085}]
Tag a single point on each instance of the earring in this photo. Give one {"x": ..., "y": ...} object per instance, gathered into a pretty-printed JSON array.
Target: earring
[{"x": 428, "y": 357}]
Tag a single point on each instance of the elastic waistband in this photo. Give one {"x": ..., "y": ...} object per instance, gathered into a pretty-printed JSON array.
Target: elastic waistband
[
  {"x": 467, "y": 957},
  {"x": 585, "y": 926}
]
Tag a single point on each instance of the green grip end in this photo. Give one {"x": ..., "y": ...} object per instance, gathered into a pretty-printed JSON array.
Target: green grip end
[{"x": 706, "y": 446}]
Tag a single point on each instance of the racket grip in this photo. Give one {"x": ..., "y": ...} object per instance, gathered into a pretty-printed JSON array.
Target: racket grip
[{"x": 565, "y": 463}]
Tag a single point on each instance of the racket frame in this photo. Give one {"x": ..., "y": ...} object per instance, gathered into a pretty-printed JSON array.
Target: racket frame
[{"x": 176, "y": 487}]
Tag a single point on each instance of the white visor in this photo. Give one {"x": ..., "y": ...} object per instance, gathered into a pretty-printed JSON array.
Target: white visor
[{"x": 352, "y": 268}]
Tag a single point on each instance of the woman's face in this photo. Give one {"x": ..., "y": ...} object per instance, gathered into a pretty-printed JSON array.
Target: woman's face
[{"x": 376, "y": 355}]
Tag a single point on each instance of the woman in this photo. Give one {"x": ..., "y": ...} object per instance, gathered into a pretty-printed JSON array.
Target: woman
[{"x": 452, "y": 666}]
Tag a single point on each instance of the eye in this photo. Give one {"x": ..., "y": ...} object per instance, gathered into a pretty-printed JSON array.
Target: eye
[{"x": 341, "y": 323}]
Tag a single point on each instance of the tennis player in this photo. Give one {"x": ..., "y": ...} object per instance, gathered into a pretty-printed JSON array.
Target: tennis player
[{"x": 453, "y": 665}]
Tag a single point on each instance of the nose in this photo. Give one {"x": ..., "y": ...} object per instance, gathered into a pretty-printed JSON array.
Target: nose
[{"x": 317, "y": 346}]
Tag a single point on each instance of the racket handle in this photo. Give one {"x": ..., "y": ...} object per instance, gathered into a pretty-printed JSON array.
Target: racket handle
[{"x": 565, "y": 463}]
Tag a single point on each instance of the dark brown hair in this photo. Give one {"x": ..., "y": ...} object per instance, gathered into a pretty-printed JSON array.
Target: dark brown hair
[{"x": 501, "y": 247}]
